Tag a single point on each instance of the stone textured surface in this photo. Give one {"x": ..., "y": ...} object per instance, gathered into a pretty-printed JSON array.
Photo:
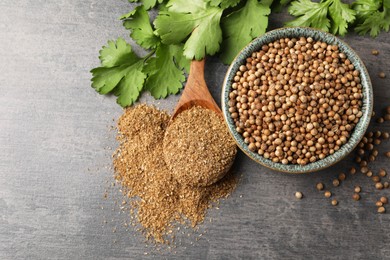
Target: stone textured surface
[{"x": 55, "y": 142}]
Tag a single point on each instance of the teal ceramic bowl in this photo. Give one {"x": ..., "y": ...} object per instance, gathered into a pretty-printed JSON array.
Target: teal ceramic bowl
[{"x": 296, "y": 32}]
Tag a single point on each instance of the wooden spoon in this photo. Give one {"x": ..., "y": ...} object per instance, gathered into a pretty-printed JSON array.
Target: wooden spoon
[{"x": 196, "y": 92}]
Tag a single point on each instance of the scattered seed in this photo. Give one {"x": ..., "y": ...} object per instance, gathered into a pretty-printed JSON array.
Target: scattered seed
[
  {"x": 377, "y": 134},
  {"x": 381, "y": 210},
  {"x": 358, "y": 159},
  {"x": 342, "y": 176},
  {"x": 385, "y": 135},
  {"x": 363, "y": 163},
  {"x": 386, "y": 185},
  {"x": 384, "y": 200},
  {"x": 364, "y": 169},
  {"x": 375, "y": 152},
  {"x": 334, "y": 202},
  {"x": 382, "y": 75},
  {"x": 352, "y": 170},
  {"x": 374, "y": 52},
  {"x": 358, "y": 189},
  {"x": 336, "y": 182},
  {"x": 356, "y": 196},
  {"x": 380, "y": 120},
  {"x": 320, "y": 186},
  {"x": 376, "y": 179},
  {"x": 377, "y": 141},
  {"x": 379, "y": 185},
  {"x": 386, "y": 117},
  {"x": 382, "y": 173},
  {"x": 371, "y": 158},
  {"x": 298, "y": 195},
  {"x": 388, "y": 110},
  {"x": 327, "y": 194},
  {"x": 379, "y": 203},
  {"x": 369, "y": 174},
  {"x": 387, "y": 154}
]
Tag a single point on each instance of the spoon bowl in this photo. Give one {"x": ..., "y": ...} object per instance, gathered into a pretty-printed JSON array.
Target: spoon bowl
[{"x": 196, "y": 92}]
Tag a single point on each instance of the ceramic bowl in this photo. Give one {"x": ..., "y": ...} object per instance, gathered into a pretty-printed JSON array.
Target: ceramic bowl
[{"x": 296, "y": 32}]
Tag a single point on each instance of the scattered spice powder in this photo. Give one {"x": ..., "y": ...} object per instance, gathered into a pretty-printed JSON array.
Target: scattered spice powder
[
  {"x": 198, "y": 147},
  {"x": 157, "y": 199}
]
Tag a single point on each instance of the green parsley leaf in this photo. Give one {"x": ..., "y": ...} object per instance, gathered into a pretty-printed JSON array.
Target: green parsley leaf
[
  {"x": 372, "y": 21},
  {"x": 148, "y": 3},
  {"x": 309, "y": 14},
  {"x": 165, "y": 71},
  {"x": 241, "y": 26},
  {"x": 141, "y": 30},
  {"x": 365, "y": 8},
  {"x": 116, "y": 53},
  {"x": 317, "y": 15},
  {"x": 121, "y": 72},
  {"x": 224, "y": 3},
  {"x": 341, "y": 15},
  {"x": 196, "y": 23}
]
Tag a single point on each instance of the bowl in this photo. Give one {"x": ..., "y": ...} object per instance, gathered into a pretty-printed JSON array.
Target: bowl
[{"x": 296, "y": 32}]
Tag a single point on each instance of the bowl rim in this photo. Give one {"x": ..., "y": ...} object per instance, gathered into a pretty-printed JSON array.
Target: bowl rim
[{"x": 358, "y": 131}]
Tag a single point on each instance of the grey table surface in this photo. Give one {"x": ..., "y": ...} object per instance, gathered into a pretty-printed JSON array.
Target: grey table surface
[{"x": 56, "y": 142}]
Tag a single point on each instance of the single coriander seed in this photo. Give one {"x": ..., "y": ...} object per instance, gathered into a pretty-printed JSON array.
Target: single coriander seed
[
  {"x": 335, "y": 202},
  {"x": 387, "y": 154},
  {"x": 382, "y": 75},
  {"x": 381, "y": 210},
  {"x": 380, "y": 120},
  {"x": 382, "y": 173},
  {"x": 342, "y": 176},
  {"x": 364, "y": 170},
  {"x": 376, "y": 179},
  {"x": 386, "y": 185},
  {"x": 320, "y": 186},
  {"x": 374, "y": 52},
  {"x": 327, "y": 194},
  {"x": 356, "y": 196},
  {"x": 369, "y": 174},
  {"x": 298, "y": 195},
  {"x": 357, "y": 189},
  {"x": 336, "y": 182},
  {"x": 378, "y": 185},
  {"x": 379, "y": 203},
  {"x": 384, "y": 200},
  {"x": 352, "y": 170}
]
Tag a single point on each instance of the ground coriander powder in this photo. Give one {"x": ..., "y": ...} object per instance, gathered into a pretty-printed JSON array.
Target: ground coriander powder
[{"x": 158, "y": 199}]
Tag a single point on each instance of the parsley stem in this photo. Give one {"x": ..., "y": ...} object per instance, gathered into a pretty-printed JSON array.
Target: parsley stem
[{"x": 150, "y": 54}]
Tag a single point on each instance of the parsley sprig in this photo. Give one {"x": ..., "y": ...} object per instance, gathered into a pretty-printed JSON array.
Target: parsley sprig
[{"x": 184, "y": 30}]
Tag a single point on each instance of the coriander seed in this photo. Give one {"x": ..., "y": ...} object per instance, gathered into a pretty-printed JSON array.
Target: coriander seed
[
  {"x": 384, "y": 200},
  {"x": 320, "y": 186},
  {"x": 379, "y": 203},
  {"x": 364, "y": 169},
  {"x": 327, "y": 194},
  {"x": 385, "y": 185},
  {"x": 369, "y": 174},
  {"x": 356, "y": 196},
  {"x": 335, "y": 202},
  {"x": 380, "y": 120},
  {"x": 357, "y": 189},
  {"x": 382, "y": 75},
  {"x": 381, "y": 210},
  {"x": 342, "y": 176},
  {"x": 375, "y": 52},
  {"x": 376, "y": 179},
  {"x": 379, "y": 186},
  {"x": 336, "y": 182},
  {"x": 298, "y": 195},
  {"x": 382, "y": 173},
  {"x": 352, "y": 170},
  {"x": 387, "y": 154},
  {"x": 385, "y": 135}
]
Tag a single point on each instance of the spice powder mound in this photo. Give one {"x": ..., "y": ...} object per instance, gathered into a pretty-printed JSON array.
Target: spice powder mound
[
  {"x": 198, "y": 148},
  {"x": 158, "y": 199}
]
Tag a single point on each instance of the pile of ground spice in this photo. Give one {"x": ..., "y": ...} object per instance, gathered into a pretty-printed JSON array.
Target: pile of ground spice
[
  {"x": 158, "y": 200},
  {"x": 198, "y": 148}
]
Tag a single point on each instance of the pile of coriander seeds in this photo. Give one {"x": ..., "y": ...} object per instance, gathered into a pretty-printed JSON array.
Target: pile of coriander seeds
[{"x": 296, "y": 101}]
